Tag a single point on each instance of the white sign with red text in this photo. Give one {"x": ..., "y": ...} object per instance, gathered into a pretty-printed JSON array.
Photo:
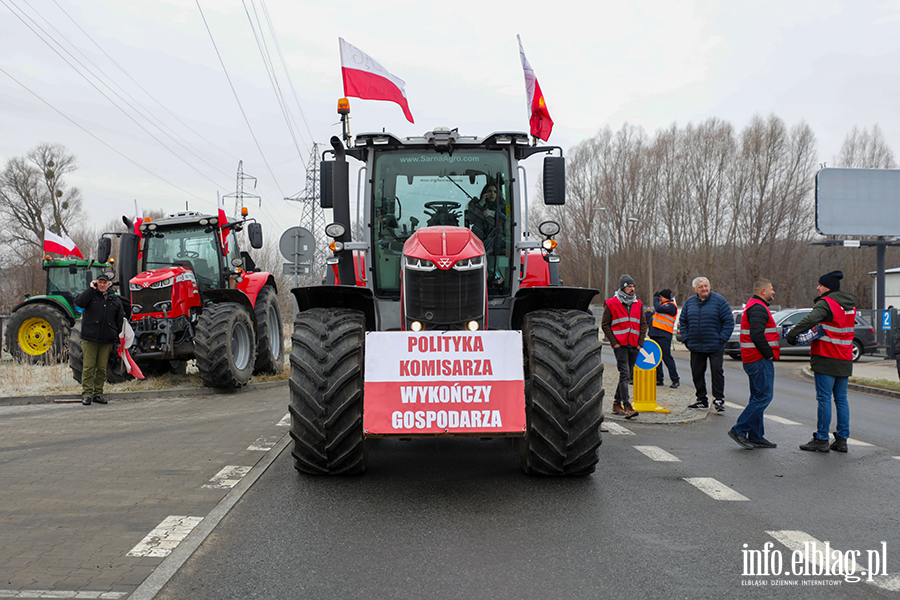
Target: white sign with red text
[{"x": 441, "y": 382}]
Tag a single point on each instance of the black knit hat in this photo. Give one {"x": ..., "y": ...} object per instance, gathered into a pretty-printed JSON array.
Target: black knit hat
[
  {"x": 832, "y": 280},
  {"x": 666, "y": 293},
  {"x": 625, "y": 280}
]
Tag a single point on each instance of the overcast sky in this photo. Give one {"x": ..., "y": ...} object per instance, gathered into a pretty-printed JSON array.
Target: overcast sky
[{"x": 832, "y": 64}]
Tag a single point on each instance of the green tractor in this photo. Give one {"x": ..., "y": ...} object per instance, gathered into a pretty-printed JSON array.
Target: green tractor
[{"x": 38, "y": 330}]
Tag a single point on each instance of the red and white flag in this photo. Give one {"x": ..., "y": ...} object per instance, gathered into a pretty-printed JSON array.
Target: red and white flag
[
  {"x": 126, "y": 339},
  {"x": 365, "y": 78},
  {"x": 138, "y": 218},
  {"x": 538, "y": 115},
  {"x": 223, "y": 220},
  {"x": 60, "y": 244}
]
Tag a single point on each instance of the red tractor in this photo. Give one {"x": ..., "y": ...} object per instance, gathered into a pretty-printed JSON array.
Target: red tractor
[
  {"x": 193, "y": 294},
  {"x": 446, "y": 317}
]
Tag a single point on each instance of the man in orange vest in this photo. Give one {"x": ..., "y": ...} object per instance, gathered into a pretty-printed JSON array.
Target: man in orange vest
[
  {"x": 625, "y": 327},
  {"x": 662, "y": 326},
  {"x": 760, "y": 347},
  {"x": 830, "y": 359}
]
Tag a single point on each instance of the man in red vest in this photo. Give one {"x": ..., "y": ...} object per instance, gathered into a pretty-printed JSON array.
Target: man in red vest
[
  {"x": 760, "y": 347},
  {"x": 830, "y": 359},
  {"x": 625, "y": 327}
]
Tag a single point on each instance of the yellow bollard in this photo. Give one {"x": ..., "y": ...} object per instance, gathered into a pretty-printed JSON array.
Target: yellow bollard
[{"x": 645, "y": 390}]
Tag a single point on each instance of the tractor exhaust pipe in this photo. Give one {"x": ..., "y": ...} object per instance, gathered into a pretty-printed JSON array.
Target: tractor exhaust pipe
[{"x": 340, "y": 186}]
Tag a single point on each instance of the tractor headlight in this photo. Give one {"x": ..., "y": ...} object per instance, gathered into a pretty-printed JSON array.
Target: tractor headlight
[
  {"x": 134, "y": 287},
  {"x": 415, "y": 326},
  {"x": 549, "y": 245},
  {"x": 472, "y": 325},
  {"x": 419, "y": 264},
  {"x": 334, "y": 230},
  {"x": 469, "y": 264},
  {"x": 168, "y": 281}
]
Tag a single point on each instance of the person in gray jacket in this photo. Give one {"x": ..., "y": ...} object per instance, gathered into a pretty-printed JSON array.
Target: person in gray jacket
[{"x": 706, "y": 323}]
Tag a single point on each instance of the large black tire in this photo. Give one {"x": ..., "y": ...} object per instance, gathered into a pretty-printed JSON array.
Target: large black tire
[
  {"x": 327, "y": 358},
  {"x": 269, "y": 333},
  {"x": 224, "y": 346},
  {"x": 563, "y": 393},
  {"x": 38, "y": 334},
  {"x": 115, "y": 371}
]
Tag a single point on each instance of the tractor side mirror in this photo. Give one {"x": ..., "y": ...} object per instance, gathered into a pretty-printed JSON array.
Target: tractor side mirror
[
  {"x": 104, "y": 249},
  {"x": 254, "y": 232},
  {"x": 326, "y": 190},
  {"x": 554, "y": 180}
]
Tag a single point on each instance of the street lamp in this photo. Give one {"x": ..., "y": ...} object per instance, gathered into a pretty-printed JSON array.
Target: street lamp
[
  {"x": 649, "y": 258},
  {"x": 606, "y": 248},
  {"x": 590, "y": 261}
]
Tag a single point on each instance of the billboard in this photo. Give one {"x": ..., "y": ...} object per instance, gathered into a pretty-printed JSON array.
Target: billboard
[{"x": 859, "y": 202}]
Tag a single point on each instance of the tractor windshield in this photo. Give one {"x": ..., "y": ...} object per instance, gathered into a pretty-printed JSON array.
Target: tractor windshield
[
  {"x": 70, "y": 280},
  {"x": 193, "y": 247},
  {"x": 469, "y": 189}
]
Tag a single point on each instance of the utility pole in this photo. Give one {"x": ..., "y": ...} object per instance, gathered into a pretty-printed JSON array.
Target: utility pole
[{"x": 239, "y": 193}]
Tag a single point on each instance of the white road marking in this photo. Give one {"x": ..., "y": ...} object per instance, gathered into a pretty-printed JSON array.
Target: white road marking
[
  {"x": 657, "y": 454},
  {"x": 715, "y": 489},
  {"x": 897, "y": 457},
  {"x": 61, "y": 594},
  {"x": 616, "y": 429},
  {"x": 802, "y": 541},
  {"x": 733, "y": 405},
  {"x": 227, "y": 478},
  {"x": 264, "y": 444},
  {"x": 161, "y": 541},
  {"x": 852, "y": 442},
  {"x": 782, "y": 420},
  {"x": 286, "y": 421}
]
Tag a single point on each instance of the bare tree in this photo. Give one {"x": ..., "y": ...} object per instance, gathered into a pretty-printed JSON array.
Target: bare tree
[
  {"x": 865, "y": 150},
  {"x": 34, "y": 196}
]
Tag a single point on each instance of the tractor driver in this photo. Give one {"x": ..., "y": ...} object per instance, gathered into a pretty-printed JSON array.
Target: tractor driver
[{"x": 487, "y": 218}]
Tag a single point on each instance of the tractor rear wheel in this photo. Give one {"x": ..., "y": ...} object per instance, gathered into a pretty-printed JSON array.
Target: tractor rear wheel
[
  {"x": 115, "y": 369},
  {"x": 224, "y": 346},
  {"x": 327, "y": 358},
  {"x": 563, "y": 393},
  {"x": 38, "y": 334},
  {"x": 269, "y": 333}
]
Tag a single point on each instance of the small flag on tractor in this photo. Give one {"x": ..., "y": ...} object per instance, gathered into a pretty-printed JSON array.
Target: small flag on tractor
[
  {"x": 60, "y": 244},
  {"x": 223, "y": 220},
  {"x": 365, "y": 78},
  {"x": 539, "y": 116}
]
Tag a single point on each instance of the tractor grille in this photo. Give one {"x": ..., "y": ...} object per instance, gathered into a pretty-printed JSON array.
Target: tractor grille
[
  {"x": 145, "y": 298},
  {"x": 444, "y": 297}
]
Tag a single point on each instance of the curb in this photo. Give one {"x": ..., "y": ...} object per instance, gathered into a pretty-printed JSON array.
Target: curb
[
  {"x": 857, "y": 387},
  {"x": 163, "y": 393}
]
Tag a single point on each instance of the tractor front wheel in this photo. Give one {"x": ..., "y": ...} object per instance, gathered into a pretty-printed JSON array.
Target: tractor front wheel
[
  {"x": 563, "y": 393},
  {"x": 224, "y": 346},
  {"x": 38, "y": 334},
  {"x": 327, "y": 358}
]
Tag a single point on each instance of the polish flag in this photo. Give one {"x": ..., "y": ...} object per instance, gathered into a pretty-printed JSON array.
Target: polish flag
[
  {"x": 60, "y": 244},
  {"x": 223, "y": 220},
  {"x": 138, "y": 218},
  {"x": 365, "y": 78},
  {"x": 539, "y": 116},
  {"x": 126, "y": 339}
]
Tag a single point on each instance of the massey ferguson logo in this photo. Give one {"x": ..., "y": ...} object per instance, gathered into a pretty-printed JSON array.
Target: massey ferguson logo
[
  {"x": 444, "y": 263},
  {"x": 145, "y": 284}
]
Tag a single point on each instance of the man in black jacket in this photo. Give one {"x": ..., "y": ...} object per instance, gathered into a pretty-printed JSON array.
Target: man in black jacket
[{"x": 100, "y": 325}]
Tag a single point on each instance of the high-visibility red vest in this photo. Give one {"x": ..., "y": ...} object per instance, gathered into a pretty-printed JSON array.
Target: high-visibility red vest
[
  {"x": 749, "y": 352},
  {"x": 664, "y": 322},
  {"x": 838, "y": 339},
  {"x": 626, "y": 325}
]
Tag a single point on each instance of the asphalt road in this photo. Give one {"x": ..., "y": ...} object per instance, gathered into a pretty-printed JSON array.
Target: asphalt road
[{"x": 458, "y": 519}]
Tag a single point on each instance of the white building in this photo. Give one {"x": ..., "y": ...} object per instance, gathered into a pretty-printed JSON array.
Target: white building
[{"x": 891, "y": 288}]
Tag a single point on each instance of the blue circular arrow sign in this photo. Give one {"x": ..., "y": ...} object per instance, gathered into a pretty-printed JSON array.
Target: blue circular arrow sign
[{"x": 649, "y": 355}]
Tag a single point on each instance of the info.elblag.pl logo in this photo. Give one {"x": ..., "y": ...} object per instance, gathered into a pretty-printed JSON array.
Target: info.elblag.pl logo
[{"x": 813, "y": 560}]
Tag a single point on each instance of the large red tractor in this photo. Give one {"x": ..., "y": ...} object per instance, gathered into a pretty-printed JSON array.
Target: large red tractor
[
  {"x": 193, "y": 294},
  {"x": 446, "y": 316}
]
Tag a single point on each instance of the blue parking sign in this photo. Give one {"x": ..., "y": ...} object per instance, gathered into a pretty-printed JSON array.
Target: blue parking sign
[{"x": 886, "y": 321}]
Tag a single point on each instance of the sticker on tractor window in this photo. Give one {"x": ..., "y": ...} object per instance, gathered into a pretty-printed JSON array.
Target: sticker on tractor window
[{"x": 444, "y": 382}]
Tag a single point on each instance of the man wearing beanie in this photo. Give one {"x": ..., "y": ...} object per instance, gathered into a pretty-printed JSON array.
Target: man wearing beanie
[
  {"x": 830, "y": 359},
  {"x": 662, "y": 326},
  {"x": 706, "y": 324},
  {"x": 625, "y": 327}
]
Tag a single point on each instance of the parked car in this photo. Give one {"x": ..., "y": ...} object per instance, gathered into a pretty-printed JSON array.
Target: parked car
[{"x": 864, "y": 341}]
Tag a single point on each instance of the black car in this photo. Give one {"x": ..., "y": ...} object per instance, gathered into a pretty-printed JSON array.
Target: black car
[{"x": 864, "y": 341}]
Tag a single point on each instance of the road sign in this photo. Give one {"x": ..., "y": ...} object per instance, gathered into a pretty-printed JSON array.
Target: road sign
[
  {"x": 649, "y": 356},
  {"x": 297, "y": 245},
  {"x": 886, "y": 321}
]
